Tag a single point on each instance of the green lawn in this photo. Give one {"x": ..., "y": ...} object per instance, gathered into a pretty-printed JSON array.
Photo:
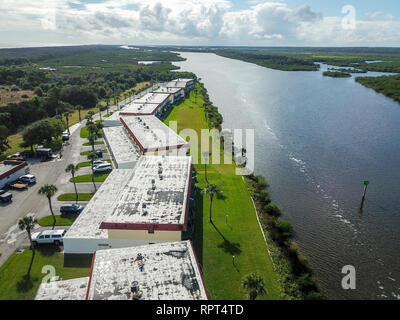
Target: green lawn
[
  {"x": 72, "y": 197},
  {"x": 15, "y": 285},
  {"x": 60, "y": 221},
  {"x": 86, "y": 144},
  {"x": 88, "y": 178},
  {"x": 88, "y": 163},
  {"x": 86, "y": 153},
  {"x": 241, "y": 236}
]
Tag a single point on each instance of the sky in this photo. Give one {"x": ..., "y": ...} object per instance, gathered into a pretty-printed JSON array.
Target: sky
[{"x": 27, "y": 23}]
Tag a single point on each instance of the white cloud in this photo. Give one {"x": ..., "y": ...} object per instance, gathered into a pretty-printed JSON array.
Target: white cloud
[{"x": 184, "y": 22}]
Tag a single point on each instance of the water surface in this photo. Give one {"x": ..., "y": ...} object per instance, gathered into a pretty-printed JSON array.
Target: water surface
[{"x": 317, "y": 139}]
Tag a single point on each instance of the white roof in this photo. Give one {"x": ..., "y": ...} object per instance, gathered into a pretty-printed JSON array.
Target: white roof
[
  {"x": 124, "y": 187},
  {"x": 168, "y": 90},
  {"x": 151, "y": 134},
  {"x": 74, "y": 289},
  {"x": 86, "y": 226},
  {"x": 179, "y": 83},
  {"x": 170, "y": 272},
  {"x": 120, "y": 144},
  {"x": 146, "y": 200},
  {"x": 140, "y": 108},
  {"x": 152, "y": 97}
]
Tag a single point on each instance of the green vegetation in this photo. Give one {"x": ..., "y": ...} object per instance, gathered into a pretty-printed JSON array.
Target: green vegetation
[
  {"x": 73, "y": 79},
  {"x": 16, "y": 284},
  {"x": 215, "y": 243},
  {"x": 86, "y": 144},
  {"x": 86, "y": 153},
  {"x": 60, "y": 220},
  {"x": 291, "y": 266},
  {"x": 271, "y": 60},
  {"x": 337, "y": 74},
  {"x": 387, "y": 85},
  {"x": 88, "y": 178},
  {"x": 72, "y": 197}
]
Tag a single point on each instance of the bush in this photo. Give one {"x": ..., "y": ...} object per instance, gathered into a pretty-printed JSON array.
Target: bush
[
  {"x": 273, "y": 210},
  {"x": 25, "y": 96},
  {"x": 285, "y": 227},
  {"x": 263, "y": 196},
  {"x": 14, "y": 88}
]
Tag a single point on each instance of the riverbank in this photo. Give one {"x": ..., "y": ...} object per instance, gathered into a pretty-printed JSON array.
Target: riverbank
[{"x": 236, "y": 229}]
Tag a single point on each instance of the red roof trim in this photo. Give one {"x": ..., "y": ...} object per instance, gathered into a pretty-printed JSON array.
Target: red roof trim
[
  {"x": 90, "y": 277},
  {"x": 13, "y": 170},
  {"x": 132, "y": 135}
]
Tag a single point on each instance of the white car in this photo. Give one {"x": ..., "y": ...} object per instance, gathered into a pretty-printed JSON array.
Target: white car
[
  {"x": 28, "y": 178},
  {"x": 105, "y": 167},
  {"x": 48, "y": 237},
  {"x": 99, "y": 162}
]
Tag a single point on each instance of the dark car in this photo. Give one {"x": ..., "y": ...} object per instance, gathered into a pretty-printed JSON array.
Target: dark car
[
  {"x": 26, "y": 154},
  {"x": 71, "y": 209},
  {"x": 99, "y": 154},
  {"x": 5, "y": 197}
]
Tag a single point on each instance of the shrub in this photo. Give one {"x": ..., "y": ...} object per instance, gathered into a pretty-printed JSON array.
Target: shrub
[
  {"x": 273, "y": 210},
  {"x": 285, "y": 227},
  {"x": 263, "y": 196}
]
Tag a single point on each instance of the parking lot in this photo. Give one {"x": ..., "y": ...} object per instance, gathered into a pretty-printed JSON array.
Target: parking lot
[{"x": 29, "y": 202}]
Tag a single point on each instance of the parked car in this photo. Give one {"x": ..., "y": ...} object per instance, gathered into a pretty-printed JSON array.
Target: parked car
[
  {"x": 98, "y": 153},
  {"x": 5, "y": 197},
  {"x": 71, "y": 208},
  {"x": 48, "y": 237},
  {"x": 2, "y": 192},
  {"x": 99, "y": 162},
  {"x": 65, "y": 136},
  {"x": 101, "y": 168},
  {"x": 16, "y": 157},
  {"x": 44, "y": 153},
  {"x": 29, "y": 178}
]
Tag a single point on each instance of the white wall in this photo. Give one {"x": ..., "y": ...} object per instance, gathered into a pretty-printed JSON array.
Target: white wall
[
  {"x": 12, "y": 177},
  {"x": 89, "y": 246}
]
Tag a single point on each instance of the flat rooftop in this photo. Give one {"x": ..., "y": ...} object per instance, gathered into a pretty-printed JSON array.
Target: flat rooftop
[
  {"x": 86, "y": 226},
  {"x": 156, "y": 195},
  {"x": 122, "y": 194},
  {"x": 74, "y": 289},
  {"x": 168, "y": 90},
  {"x": 151, "y": 134},
  {"x": 152, "y": 97},
  {"x": 122, "y": 147},
  {"x": 169, "y": 272},
  {"x": 140, "y": 108},
  {"x": 178, "y": 83}
]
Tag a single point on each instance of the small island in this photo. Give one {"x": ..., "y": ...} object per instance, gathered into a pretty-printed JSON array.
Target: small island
[{"x": 337, "y": 74}]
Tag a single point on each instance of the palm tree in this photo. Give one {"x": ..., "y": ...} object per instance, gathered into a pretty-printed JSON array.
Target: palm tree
[
  {"x": 73, "y": 169},
  {"x": 92, "y": 140},
  {"x": 49, "y": 190},
  {"x": 254, "y": 284},
  {"x": 211, "y": 190},
  {"x": 108, "y": 104},
  {"x": 28, "y": 223},
  {"x": 67, "y": 115},
  {"x": 79, "y": 108},
  {"x": 99, "y": 105},
  {"x": 92, "y": 157}
]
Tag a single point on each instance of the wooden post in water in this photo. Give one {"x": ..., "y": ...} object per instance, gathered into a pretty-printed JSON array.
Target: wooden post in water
[{"x": 366, "y": 183}]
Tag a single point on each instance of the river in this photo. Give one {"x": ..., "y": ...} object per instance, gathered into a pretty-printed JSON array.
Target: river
[{"x": 317, "y": 139}]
